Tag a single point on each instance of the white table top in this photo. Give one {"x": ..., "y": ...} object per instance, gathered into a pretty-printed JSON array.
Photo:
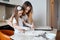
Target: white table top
[{"x": 30, "y": 35}]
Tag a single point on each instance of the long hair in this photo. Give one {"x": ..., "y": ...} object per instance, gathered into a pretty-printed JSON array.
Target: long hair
[
  {"x": 16, "y": 13},
  {"x": 26, "y": 4},
  {"x": 29, "y": 13}
]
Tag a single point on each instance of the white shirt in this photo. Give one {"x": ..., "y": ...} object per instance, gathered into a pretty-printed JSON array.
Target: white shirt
[{"x": 20, "y": 21}]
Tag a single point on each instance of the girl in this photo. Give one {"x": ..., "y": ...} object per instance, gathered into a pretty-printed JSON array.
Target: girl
[{"x": 17, "y": 21}]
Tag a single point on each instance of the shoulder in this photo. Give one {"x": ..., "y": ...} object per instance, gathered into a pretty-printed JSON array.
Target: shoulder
[{"x": 14, "y": 20}]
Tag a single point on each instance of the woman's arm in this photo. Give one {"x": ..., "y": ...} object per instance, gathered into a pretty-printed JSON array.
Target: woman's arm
[
  {"x": 30, "y": 25},
  {"x": 27, "y": 24},
  {"x": 30, "y": 19}
]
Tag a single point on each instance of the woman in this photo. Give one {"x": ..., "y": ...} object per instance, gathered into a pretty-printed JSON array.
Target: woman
[{"x": 27, "y": 16}]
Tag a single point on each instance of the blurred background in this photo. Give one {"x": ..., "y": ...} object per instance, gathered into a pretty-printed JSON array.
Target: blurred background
[{"x": 41, "y": 11}]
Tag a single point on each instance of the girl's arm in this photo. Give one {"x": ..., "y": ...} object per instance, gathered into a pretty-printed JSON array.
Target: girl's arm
[
  {"x": 12, "y": 23},
  {"x": 18, "y": 27},
  {"x": 9, "y": 21}
]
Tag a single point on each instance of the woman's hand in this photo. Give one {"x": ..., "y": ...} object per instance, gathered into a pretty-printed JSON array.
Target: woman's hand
[{"x": 32, "y": 27}]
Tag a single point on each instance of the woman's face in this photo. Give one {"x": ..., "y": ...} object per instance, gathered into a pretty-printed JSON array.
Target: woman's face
[
  {"x": 20, "y": 13},
  {"x": 27, "y": 9}
]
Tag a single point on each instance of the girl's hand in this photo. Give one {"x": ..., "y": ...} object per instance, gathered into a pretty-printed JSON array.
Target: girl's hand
[{"x": 22, "y": 30}]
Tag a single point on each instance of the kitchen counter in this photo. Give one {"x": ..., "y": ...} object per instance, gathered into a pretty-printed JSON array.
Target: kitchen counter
[{"x": 32, "y": 35}]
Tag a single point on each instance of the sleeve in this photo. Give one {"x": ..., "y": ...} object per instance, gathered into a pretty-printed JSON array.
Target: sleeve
[{"x": 14, "y": 20}]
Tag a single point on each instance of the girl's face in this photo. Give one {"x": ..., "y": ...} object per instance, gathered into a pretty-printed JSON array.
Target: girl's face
[
  {"x": 20, "y": 13},
  {"x": 27, "y": 9}
]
